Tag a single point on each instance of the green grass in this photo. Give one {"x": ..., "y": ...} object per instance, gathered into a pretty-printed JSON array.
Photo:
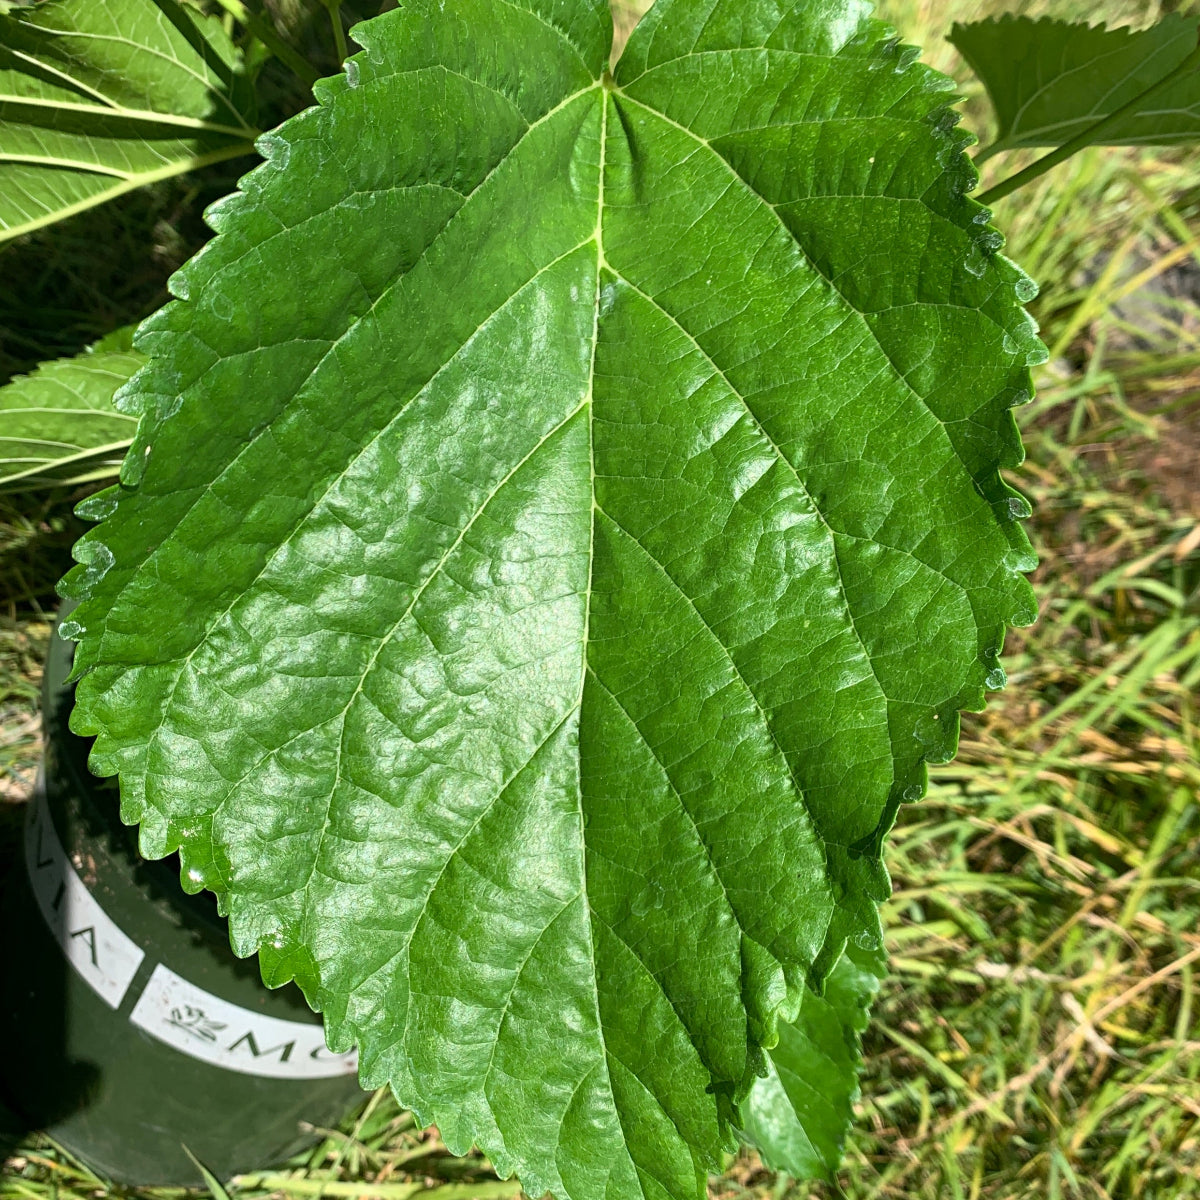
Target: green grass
[{"x": 1040, "y": 1033}]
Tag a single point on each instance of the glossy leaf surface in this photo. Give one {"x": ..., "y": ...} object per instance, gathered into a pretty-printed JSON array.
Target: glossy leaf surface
[
  {"x": 566, "y": 517},
  {"x": 98, "y": 97},
  {"x": 1050, "y": 80},
  {"x": 798, "y": 1115},
  {"x": 59, "y": 426}
]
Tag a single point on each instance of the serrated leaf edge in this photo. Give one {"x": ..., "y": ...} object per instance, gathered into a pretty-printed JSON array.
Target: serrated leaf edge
[{"x": 294, "y": 962}]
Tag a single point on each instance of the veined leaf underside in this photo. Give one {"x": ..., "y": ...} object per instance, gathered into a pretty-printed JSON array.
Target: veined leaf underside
[{"x": 98, "y": 97}]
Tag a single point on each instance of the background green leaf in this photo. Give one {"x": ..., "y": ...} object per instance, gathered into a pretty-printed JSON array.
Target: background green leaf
[
  {"x": 1049, "y": 80},
  {"x": 549, "y": 557},
  {"x": 797, "y": 1117},
  {"x": 101, "y": 96},
  {"x": 59, "y": 425}
]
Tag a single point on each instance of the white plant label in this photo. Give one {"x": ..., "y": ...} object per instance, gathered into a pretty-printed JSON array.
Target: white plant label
[
  {"x": 226, "y": 1035},
  {"x": 92, "y": 943}
]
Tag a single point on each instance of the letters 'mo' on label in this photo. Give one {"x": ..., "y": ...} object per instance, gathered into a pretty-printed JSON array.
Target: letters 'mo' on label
[
  {"x": 92, "y": 943},
  {"x": 226, "y": 1035}
]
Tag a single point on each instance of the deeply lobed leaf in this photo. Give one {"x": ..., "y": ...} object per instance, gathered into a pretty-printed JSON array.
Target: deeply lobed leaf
[{"x": 564, "y": 520}]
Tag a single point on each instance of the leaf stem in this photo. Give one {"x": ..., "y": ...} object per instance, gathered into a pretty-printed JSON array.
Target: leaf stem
[
  {"x": 339, "y": 34},
  {"x": 987, "y": 152},
  {"x": 262, "y": 30},
  {"x": 1090, "y": 136}
]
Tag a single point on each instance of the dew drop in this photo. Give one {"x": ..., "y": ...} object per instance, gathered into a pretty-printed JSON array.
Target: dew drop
[
  {"x": 275, "y": 150},
  {"x": 1018, "y": 509},
  {"x": 70, "y": 630},
  {"x": 221, "y": 305},
  {"x": 132, "y": 469},
  {"x": 217, "y": 213},
  {"x": 608, "y": 298},
  {"x": 1026, "y": 289},
  {"x": 996, "y": 679},
  {"x": 912, "y": 792},
  {"x": 351, "y": 69},
  {"x": 97, "y": 507},
  {"x": 976, "y": 261},
  {"x": 99, "y": 560}
]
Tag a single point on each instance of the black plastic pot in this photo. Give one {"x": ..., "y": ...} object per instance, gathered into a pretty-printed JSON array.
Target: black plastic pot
[{"x": 131, "y": 1028}]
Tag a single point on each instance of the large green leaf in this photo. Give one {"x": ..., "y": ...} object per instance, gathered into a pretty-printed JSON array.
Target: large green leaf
[
  {"x": 59, "y": 426},
  {"x": 98, "y": 97},
  {"x": 565, "y": 519},
  {"x": 1049, "y": 80},
  {"x": 798, "y": 1115}
]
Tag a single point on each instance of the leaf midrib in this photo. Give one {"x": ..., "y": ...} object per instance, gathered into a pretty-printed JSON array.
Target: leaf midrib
[
  {"x": 146, "y": 116},
  {"x": 603, "y": 88},
  {"x": 142, "y": 48},
  {"x": 52, "y": 215}
]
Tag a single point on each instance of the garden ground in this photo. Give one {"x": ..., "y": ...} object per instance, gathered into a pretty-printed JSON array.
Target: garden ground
[{"x": 1039, "y": 1035}]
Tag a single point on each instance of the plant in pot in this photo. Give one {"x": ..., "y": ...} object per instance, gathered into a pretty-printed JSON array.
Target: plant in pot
[{"x": 564, "y": 518}]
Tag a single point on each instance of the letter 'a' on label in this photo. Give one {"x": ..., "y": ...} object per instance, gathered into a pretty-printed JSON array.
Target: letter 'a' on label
[
  {"x": 226, "y": 1035},
  {"x": 104, "y": 956}
]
